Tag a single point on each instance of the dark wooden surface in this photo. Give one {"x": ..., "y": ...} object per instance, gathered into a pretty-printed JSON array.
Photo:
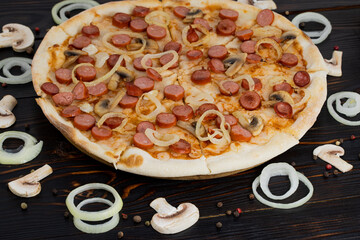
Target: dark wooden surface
[{"x": 332, "y": 213}]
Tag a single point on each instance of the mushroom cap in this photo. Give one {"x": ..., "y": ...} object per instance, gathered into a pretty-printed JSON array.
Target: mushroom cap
[
  {"x": 330, "y": 149},
  {"x": 24, "y": 189},
  {"x": 22, "y": 36},
  {"x": 7, "y": 118}
]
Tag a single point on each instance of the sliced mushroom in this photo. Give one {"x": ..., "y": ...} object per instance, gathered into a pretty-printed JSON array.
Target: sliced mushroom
[
  {"x": 192, "y": 14},
  {"x": 102, "y": 107},
  {"x": 334, "y": 64},
  {"x": 253, "y": 123},
  {"x": 331, "y": 154},
  {"x": 113, "y": 82},
  {"x": 29, "y": 185},
  {"x": 7, "y": 104},
  {"x": 17, "y": 36},
  {"x": 133, "y": 46},
  {"x": 69, "y": 61},
  {"x": 191, "y": 127},
  {"x": 125, "y": 74},
  {"x": 70, "y": 53},
  {"x": 281, "y": 96},
  {"x": 171, "y": 220},
  {"x": 234, "y": 63},
  {"x": 287, "y": 39}
]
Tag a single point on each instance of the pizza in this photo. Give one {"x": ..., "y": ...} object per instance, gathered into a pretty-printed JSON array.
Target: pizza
[{"x": 180, "y": 89}]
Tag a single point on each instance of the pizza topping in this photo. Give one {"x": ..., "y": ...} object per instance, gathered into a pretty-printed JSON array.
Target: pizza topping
[
  {"x": 153, "y": 18},
  {"x": 80, "y": 42},
  {"x": 85, "y": 73},
  {"x": 114, "y": 120},
  {"x": 276, "y": 46},
  {"x": 166, "y": 120},
  {"x": 202, "y": 22},
  {"x": 226, "y": 27},
  {"x": 181, "y": 11},
  {"x": 183, "y": 112},
  {"x": 301, "y": 78},
  {"x": 164, "y": 59},
  {"x": 229, "y": 14},
  {"x": 173, "y": 46},
  {"x": 128, "y": 101},
  {"x": 138, "y": 36},
  {"x": 334, "y": 64},
  {"x": 216, "y": 65},
  {"x": 63, "y": 98},
  {"x": 120, "y": 40},
  {"x": 105, "y": 105},
  {"x": 217, "y": 51},
  {"x": 159, "y": 55},
  {"x": 144, "y": 83},
  {"x": 138, "y": 25},
  {"x": 281, "y": 96},
  {"x": 7, "y": 118},
  {"x": 140, "y": 11},
  {"x": 250, "y": 100},
  {"x": 265, "y": 17},
  {"x": 156, "y": 32},
  {"x": 204, "y": 108},
  {"x": 80, "y": 91},
  {"x": 244, "y": 35},
  {"x": 133, "y": 90},
  {"x": 151, "y": 96},
  {"x": 125, "y": 74},
  {"x": 229, "y": 88},
  {"x": 63, "y": 75},
  {"x": 142, "y": 141},
  {"x": 234, "y": 63},
  {"x": 284, "y": 86},
  {"x": 283, "y": 110},
  {"x": 253, "y": 58},
  {"x": 85, "y": 59},
  {"x": 229, "y": 119},
  {"x": 192, "y": 35},
  {"x": 70, "y": 111},
  {"x": 153, "y": 74},
  {"x": 90, "y": 31},
  {"x": 162, "y": 140},
  {"x": 194, "y": 54},
  {"x": 238, "y": 133},
  {"x": 138, "y": 66},
  {"x": 174, "y": 92},
  {"x": 249, "y": 83},
  {"x": 253, "y": 123},
  {"x": 204, "y": 39},
  {"x": 248, "y": 46},
  {"x": 332, "y": 154},
  {"x": 121, "y": 20},
  {"x": 49, "y": 88},
  {"x": 289, "y": 60},
  {"x": 181, "y": 147},
  {"x": 192, "y": 14},
  {"x": 101, "y": 133},
  {"x": 201, "y": 76},
  {"x": 111, "y": 61},
  {"x": 84, "y": 121},
  {"x": 142, "y": 126},
  {"x": 98, "y": 90}
]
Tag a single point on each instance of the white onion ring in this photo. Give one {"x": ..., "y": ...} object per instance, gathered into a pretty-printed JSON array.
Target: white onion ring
[
  {"x": 248, "y": 78},
  {"x": 274, "y": 43},
  {"x": 349, "y": 110},
  {"x": 7, "y": 63},
  {"x": 28, "y": 152},
  {"x": 168, "y": 139},
  {"x": 201, "y": 41},
  {"x": 152, "y": 97},
  {"x": 25, "y": 67},
  {"x": 316, "y": 36},
  {"x": 337, "y": 97},
  {"x": 225, "y": 136},
  {"x": 159, "y": 55},
  {"x": 158, "y": 13},
  {"x": 110, "y": 115},
  {"x": 120, "y": 51},
  {"x": 71, "y": 7}
]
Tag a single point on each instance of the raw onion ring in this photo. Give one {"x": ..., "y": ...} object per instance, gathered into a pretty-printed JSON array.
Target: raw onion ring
[
  {"x": 7, "y": 63},
  {"x": 337, "y": 97}
]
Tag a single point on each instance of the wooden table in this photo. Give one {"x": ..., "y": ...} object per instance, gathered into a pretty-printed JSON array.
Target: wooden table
[{"x": 332, "y": 213}]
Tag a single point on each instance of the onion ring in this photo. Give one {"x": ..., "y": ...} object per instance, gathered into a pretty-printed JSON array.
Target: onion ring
[
  {"x": 148, "y": 18},
  {"x": 158, "y": 55},
  {"x": 106, "y": 43},
  {"x": 274, "y": 43},
  {"x": 152, "y": 98},
  {"x": 7, "y": 63},
  {"x": 202, "y": 41},
  {"x": 225, "y": 136},
  {"x": 166, "y": 139},
  {"x": 343, "y": 109}
]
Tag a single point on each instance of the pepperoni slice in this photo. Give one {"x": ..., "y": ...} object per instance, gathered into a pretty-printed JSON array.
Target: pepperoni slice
[
  {"x": 164, "y": 59},
  {"x": 194, "y": 54},
  {"x": 174, "y": 92},
  {"x": 138, "y": 66},
  {"x": 226, "y": 27},
  {"x": 98, "y": 90},
  {"x": 203, "y": 23},
  {"x": 142, "y": 126},
  {"x": 173, "y": 46},
  {"x": 181, "y": 11},
  {"x": 63, "y": 98},
  {"x": 253, "y": 58},
  {"x": 231, "y": 88},
  {"x": 144, "y": 83},
  {"x": 138, "y": 25},
  {"x": 90, "y": 31},
  {"x": 166, "y": 120},
  {"x": 49, "y": 88},
  {"x": 216, "y": 65},
  {"x": 142, "y": 141},
  {"x": 84, "y": 121},
  {"x": 120, "y": 40},
  {"x": 63, "y": 75},
  {"x": 206, "y": 107},
  {"x": 229, "y": 14},
  {"x": 133, "y": 90},
  {"x": 244, "y": 35},
  {"x": 80, "y": 91},
  {"x": 80, "y": 42},
  {"x": 192, "y": 36},
  {"x": 156, "y": 32},
  {"x": 86, "y": 59},
  {"x": 111, "y": 61},
  {"x": 70, "y": 111},
  {"x": 265, "y": 17},
  {"x": 201, "y": 76},
  {"x": 301, "y": 78},
  {"x": 181, "y": 147},
  {"x": 250, "y": 100},
  {"x": 140, "y": 11},
  {"x": 183, "y": 112},
  {"x": 217, "y": 51},
  {"x": 283, "y": 109},
  {"x": 257, "y": 87},
  {"x": 85, "y": 73},
  {"x": 121, "y": 20},
  {"x": 113, "y": 122},
  {"x": 238, "y": 133},
  {"x": 283, "y": 87},
  {"x": 128, "y": 101},
  {"x": 230, "y": 119},
  {"x": 248, "y": 46},
  {"x": 153, "y": 74},
  {"x": 289, "y": 60},
  {"x": 101, "y": 133}
]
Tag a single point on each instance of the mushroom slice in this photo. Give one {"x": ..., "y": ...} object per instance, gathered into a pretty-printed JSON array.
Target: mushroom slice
[
  {"x": 281, "y": 96},
  {"x": 125, "y": 74},
  {"x": 107, "y": 105},
  {"x": 113, "y": 82},
  {"x": 133, "y": 46},
  {"x": 29, "y": 185},
  {"x": 331, "y": 154},
  {"x": 17, "y": 36},
  {"x": 334, "y": 64},
  {"x": 253, "y": 123},
  {"x": 7, "y": 104},
  {"x": 192, "y": 14},
  {"x": 171, "y": 220},
  {"x": 234, "y": 63},
  {"x": 70, "y": 53},
  {"x": 287, "y": 39},
  {"x": 70, "y": 60}
]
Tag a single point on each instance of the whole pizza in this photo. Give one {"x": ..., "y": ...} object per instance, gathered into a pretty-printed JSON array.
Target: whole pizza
[{"x": 180, "y": 89}]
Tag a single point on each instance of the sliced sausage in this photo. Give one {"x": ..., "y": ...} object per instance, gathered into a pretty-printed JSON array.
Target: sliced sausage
[
  {"x": 217, "y": 51},
  {"x": 164, "y": 59},
  {"x": 194, "y": 54},
  {"x": 253, "y": 58},
  {"x": 63, "y": 98},
  {"x": 113, "y": 122},
  {"x": 98, "y": 90},
  {"x": 144, "y": 83},
  {"x": 112, "y": 60},
  {"x": 244, "y": 35},
  {"x": 216, "y": 65},
  {"x": 138, "y": 66},
  {"x": 181, "y": 147},
  {"x": 140, "y": 11},
  {"x": 80, "y": 91},
  {"x": 84, "y": 121},
  {"x": 156, "y": 32},
  {"x": 128, "y": 101},
  {"x": 174, "y": 92},
  {"x": 181, "y": 11},
  {"x": 85, "y": 73},
  {"x": 63, "y": 75},
  {"x": 201, "y": 76},
  {"x": 120, "y": 40},
  {"x": 229, "y": 14},
  {"x": 153, "y": 74},
  {"x": 121, "y": 20},
  {"x": 248, "y": 46},
  {"x": 192, "y": 36},
  {"x": 206, "y": 107},
  {"x": 86, "y": 59},
  {"x": 142, "y": 126},
  {"x": 101, "y": 133},
  {"x": 226, "y": 27},
  {"x": 301, "y": 78},
  {"x": 90, "y": 31},
  {"x": 203, "y": 23},
  {"x": 142, "y": 141},
  {"x": 70, "y": 111},
  {"x": 257, "y": 87},
  {"x": 231, "y": 88},
  {"x": 283, "y": 87},
  {"x": 80, "y": 42},
  {"x": 49, "y": 88},
  {"x": 166, "y": 120},
  {"x": 138, "y": 25},
  {"x": 183, "y": 112},
  {"x": 283, "y": 109},
  {"x": 173, "y": 46},
  {"x": 250, "y": 100},
  {"x": 289, "y": 60},
  {"x": 265, "y": 17},
  {"x": 133, "y": 90},
  {"x": 238, "y": 133},
  {"x": 230, "y": 119}
]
